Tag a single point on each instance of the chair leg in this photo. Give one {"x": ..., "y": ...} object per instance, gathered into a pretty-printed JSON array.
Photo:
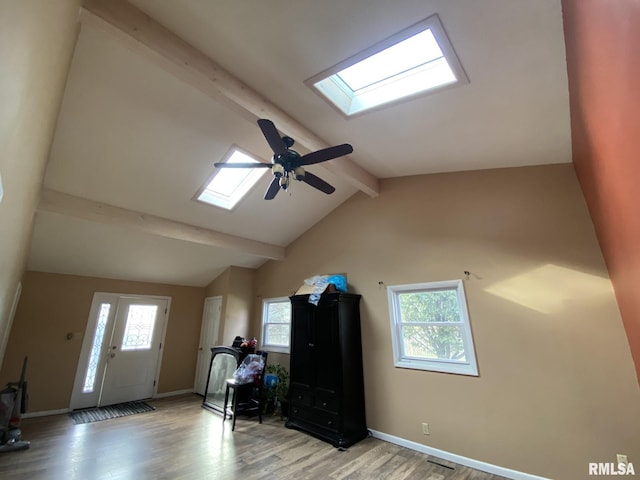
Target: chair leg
[
  {"x": 224, "y": 405},
  {"x": 235, "y": 408}
]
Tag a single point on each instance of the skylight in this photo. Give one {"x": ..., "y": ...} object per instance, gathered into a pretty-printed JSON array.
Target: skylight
[
  {"x": 229, "y": 185},
  {"x": 417, "y": 60}
]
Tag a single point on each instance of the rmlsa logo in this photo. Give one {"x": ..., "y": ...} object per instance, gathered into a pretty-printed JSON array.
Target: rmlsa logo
[{"x": 611, "y": 469}]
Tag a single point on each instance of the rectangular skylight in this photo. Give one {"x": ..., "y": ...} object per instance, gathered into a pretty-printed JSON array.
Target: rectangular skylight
[
  {"x": 229, "y": 185},
  {"x": 417, "y": 60}
]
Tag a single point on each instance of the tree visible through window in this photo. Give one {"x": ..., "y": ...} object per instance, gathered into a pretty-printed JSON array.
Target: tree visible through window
[
  {"x": 430, "y": 327},
  {"x": 276, "y": 324}
]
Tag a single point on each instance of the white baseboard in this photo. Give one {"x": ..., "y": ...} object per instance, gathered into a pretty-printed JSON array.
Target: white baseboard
[
  {"x": 452, "y": 457},
  {"x": 66, "y": 410},
  {"x": 45, "y": 413},
  {"x": 173, "y": 394}
]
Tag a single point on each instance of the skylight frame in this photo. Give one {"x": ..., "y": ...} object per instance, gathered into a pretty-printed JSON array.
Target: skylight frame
[
  {"x": 339, "y": 95},
  {"x": 229, "y": 202}
]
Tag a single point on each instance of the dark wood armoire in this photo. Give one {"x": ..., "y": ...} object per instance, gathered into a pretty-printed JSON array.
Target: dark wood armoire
[{"x": 326, "y": 379}]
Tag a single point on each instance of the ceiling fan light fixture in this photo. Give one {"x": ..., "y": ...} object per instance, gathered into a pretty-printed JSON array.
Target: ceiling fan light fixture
[
  {"x": 284, "y": 182},
  {"x": 278, "y": 170},
  {"x": 298, "y": 173}
]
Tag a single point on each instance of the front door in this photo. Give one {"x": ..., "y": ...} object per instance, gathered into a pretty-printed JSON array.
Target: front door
[{"x": 121, "y": 350}]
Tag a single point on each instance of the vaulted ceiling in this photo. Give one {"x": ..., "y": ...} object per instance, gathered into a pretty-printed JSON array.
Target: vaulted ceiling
[{"x": 159, "y": 90}]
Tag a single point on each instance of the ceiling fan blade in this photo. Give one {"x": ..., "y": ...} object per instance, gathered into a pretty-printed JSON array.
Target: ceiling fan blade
[
  {"x": 270, "y": 132},
  {"x": 316, "y": 182},
  {"x": 243, "y": 165},
  {"x": 272, "y": 191},
  {"x": 326, "y": 154}
]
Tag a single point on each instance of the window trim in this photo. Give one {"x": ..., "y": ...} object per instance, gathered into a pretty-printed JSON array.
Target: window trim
[
  {"x": 328, "y": 85},
  {"x": 213, "y": 198},
  {"x": 469, "y": 367},
  {"x": 265, "y": 305}
]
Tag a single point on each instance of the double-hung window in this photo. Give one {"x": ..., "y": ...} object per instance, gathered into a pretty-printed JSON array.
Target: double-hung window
[
  {"x": 430, "y": 327},
  {"x": 276, "y": 324}
]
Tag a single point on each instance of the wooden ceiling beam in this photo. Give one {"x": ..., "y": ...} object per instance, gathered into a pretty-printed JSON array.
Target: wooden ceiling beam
[
  {"x": 147, "y": 37},
  {"x": 70, "y": 205}
]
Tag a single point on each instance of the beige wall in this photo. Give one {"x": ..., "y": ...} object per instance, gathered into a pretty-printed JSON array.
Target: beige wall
[
  {"x": 557, "y": 387},
  {"x": 36, "y": 44},
  {"x": 235, "y": 286},
  {"x": 53, "y": 305}
]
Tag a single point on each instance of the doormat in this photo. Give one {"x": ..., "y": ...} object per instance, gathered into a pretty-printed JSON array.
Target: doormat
[{"x": 98, "y": 414}]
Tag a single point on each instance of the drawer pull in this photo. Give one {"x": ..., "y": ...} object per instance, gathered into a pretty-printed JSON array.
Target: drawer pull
[
  {"x": 311, "y": 345},
  {"x": 299, "y": 397},
  {"x": 329, "y": 423},
  {"x": 324, "y": 404},
  {"x": 295, "y": 410}
]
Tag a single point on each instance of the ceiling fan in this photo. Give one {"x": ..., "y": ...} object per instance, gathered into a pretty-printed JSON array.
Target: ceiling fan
[{"x": 287, "y": 163}]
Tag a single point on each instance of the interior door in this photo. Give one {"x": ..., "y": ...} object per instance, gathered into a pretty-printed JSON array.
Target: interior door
[
  {"x": 134, "y": 350},
  {"x": 208, "y": 339}
]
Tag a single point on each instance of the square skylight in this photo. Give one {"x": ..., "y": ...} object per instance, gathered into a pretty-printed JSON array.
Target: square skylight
[
  {"x": 229, "y": 185},
  {"x": 418, "y": 60}
]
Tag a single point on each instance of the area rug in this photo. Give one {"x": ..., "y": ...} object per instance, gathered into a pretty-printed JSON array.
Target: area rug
[{"x": 98, "y": 414}]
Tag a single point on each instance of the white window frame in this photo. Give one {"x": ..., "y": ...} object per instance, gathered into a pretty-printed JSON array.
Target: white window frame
[
  {"x": 265, "y": 309},
  {"x": 400, "y": 87},
  {"x": 467, "y": 367},
  {"x": 208, "y": 194}
]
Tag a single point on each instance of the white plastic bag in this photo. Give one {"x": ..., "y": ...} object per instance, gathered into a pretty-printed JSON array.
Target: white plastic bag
[{"x": 249, "y": 369}]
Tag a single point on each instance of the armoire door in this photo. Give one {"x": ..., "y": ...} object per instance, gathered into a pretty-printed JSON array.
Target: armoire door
[
  {"x": 326, "y": 351},
  {"x": 302, "y": 345}
]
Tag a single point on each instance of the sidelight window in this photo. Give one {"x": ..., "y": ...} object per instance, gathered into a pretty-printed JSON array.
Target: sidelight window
[{"x": 96, "y": 348}]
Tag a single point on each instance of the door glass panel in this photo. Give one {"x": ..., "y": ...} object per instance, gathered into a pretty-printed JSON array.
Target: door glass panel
[
  {"x": 94, "y": 356},
  {"x": 138, "y": 332}
]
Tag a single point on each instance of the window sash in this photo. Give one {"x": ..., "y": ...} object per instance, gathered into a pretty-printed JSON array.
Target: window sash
[
  {"x": 269, "y": 338},
  {"x": 459, "y": 346},
  {"x": 455, "y": 354},
  {"x": 268, "y": 342}
]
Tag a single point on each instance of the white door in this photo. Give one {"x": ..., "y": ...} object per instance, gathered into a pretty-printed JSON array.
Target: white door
[
  {"x": 121, "y": 350},
  {"x": 134, "y": 351},
  {"x": 208, "y": 339}
]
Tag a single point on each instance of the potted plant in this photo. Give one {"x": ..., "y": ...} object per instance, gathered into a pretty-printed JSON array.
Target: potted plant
[{"x": 277, "y": 395}]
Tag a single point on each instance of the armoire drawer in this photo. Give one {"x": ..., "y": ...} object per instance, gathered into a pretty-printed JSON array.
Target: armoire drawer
[
  {"x": 301, "y": 397},
  {"x": 321, "y": 419},
  {"x": 326, "y": 401}
]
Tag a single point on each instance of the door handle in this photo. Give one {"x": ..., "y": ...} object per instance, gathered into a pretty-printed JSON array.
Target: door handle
[{"x": 311, "y": 345}]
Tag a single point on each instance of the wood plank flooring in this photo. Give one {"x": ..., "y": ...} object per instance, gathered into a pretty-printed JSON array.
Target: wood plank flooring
[{"x": 181, "y": 440}]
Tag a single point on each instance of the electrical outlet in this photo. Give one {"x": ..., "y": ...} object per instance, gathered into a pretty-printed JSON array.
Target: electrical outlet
[
  {"x": 425, "y": 428},
  {"x": 622, "y": 459}
]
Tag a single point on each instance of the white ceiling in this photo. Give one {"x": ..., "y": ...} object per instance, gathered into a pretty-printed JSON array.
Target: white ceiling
[{"x": 132, "y": 135}]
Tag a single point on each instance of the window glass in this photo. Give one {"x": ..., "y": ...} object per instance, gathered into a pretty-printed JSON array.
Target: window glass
[{"x": 430, "y": 327}]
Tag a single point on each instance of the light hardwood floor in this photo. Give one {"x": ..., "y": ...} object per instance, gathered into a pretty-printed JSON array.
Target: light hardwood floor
[{"x": 181, "y": 440}]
